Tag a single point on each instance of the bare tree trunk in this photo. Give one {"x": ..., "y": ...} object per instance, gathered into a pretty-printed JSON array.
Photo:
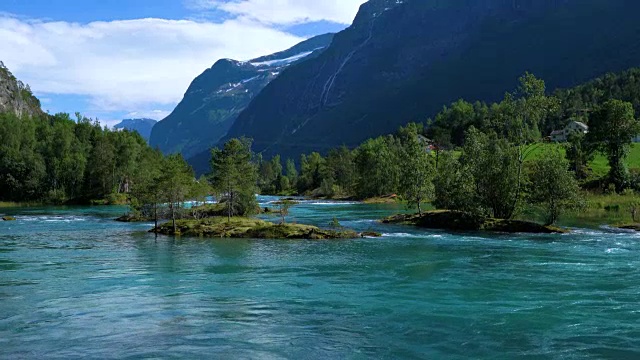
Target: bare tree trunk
[
  {"x": 173, "y": 217},
  {"x": 155, "y": 211}
]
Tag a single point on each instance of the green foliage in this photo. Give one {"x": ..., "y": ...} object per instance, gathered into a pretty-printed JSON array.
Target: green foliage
[
  {"x": 417, "y": 169},
  {"x": 235, "y": 175},
  {"x": 494, "y": 165},
  {"x": 56, "y": 159},
  {"x": 517, "y": 118},
  {"x": 579, "y": 153},
  {"x": 454, "y": 188},
  {"x": 340, "y": 171},
  {"x": 270, "y": 176},
  {"x": 335, "y": 223},
  {"x": 313, "y": 169},
  {"x": 611, "y": 130},
  {"x": 283, "y": 209},
  {"x": 552, "y": 185},
  {"x": 377, "y": 163}
]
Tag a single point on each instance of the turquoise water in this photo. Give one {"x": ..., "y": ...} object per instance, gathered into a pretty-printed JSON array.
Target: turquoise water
[{"x": 73, "y": 284}]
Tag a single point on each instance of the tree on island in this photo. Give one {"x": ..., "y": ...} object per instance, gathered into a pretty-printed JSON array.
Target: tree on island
[
  {"x": 495, "y": 167},
  {"x": 235, "y": 175},
  {"x": 454, "y": 186},
  {"x": 146, "y": 191},
  {"x": 416, "y": 182},
  {"x": 176, "y": 181},
  {"x": 283, "y": 209},
  {"x": 198, "y": 193},
  {"x": 612, "y": 128},
  {"x": 552, "y": 185}
]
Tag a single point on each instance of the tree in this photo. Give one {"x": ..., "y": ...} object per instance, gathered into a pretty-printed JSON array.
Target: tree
[
  {"x": 198, "y": 192},
  {"x": 146, "y": 189},
  {"x": 176, "y": 180},
  {"x": 454, "y": 185},
  {"x": 340, "y": 169},
  {"x": 552, "y": 185},
  {"x": 235, "y": 175},
  {"x": 283, "y": 209},
  {"x": 495, "y": 166},
  {"x": 416, "y": 182},
  {"x": 378, "y": 167},
  {"x": 579, "y": 153},
  {"x": 611, "y": 130},
  {"x": 313, "y": 169},
  {"x": 292, "y": 173}
]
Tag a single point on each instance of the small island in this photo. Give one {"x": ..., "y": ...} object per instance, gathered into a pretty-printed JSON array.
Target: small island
[
  {"x": 461, "y": 221},
  {"x": 250, "y": 228}
]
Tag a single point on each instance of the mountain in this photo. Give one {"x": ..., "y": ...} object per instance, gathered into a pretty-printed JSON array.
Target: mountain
[
  {"x": 402, "y": 60},
  {"x": 216, "y": 97},
  {"x": 15, "y": 96},
  {"x": 142, "y": 126}
]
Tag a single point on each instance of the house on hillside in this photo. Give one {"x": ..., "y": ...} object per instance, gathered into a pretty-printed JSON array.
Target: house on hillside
[
  {"x": 571, "y": 128},
  {"x": 426, "y": 143}
]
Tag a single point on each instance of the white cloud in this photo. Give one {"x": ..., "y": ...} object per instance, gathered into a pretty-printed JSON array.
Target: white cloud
[
  {"x": 286, "y": 12},
  {"x": 127, "y": 65}
]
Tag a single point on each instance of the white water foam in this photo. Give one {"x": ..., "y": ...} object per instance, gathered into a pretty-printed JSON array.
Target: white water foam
[
  {"x": 413, "y": 236},
  {"x": 66, "y": 219}
]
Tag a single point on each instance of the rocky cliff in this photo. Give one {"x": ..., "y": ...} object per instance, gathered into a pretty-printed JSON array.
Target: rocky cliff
[{"x": 15, "y": 96}]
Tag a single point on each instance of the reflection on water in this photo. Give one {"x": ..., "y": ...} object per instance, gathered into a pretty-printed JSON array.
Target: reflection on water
[{"x": 73, "y": 283}]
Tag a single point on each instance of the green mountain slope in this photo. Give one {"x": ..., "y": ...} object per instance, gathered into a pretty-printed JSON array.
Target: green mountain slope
[{"x": 401, "y": 61}]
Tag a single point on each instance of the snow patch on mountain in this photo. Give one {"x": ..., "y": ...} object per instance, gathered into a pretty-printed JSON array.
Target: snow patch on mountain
[{"x": 284, "y": 62}]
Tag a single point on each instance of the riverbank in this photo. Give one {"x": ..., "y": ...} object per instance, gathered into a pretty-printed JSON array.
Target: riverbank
[
  {"x": 460, "y": 221},
  {"x": 250, "y": 228}
]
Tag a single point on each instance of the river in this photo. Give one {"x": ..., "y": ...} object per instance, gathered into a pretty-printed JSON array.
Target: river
[{"x": 76, "y": 284}]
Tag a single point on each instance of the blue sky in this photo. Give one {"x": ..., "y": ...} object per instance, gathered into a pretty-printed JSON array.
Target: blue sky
[{"x": 113, "y": 59}]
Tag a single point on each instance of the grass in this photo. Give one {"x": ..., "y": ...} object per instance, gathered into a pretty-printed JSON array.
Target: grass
[
  {"x": 599, "y": 165},
  {"x": 599, "y": 210},
  {"x": 10, "y": 204},
  {"x": 250, "y": 228}
]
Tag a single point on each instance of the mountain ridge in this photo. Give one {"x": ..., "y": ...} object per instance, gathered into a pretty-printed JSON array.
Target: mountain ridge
[
  {"x": 402, "y": 63},
  {"x": 143, "y": 126},
  {"x": 216, "y": 97}
]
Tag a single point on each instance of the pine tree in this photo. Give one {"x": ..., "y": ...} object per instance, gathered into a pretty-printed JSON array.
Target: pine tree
[{"x": 234, "y": 175}]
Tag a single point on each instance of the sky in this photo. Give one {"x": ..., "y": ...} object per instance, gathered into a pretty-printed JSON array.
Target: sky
[{"x": 116, "y": 59}]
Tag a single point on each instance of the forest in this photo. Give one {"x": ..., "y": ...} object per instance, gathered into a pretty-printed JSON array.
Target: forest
[
  {"x": 59, "y": 160},
  {"x": 488, "y": 159},
  {"x": 475, "y": 158}
]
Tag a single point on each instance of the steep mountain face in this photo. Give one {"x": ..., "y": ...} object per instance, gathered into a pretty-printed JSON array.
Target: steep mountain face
[
  {"x": 216, "y": 97},
  {"x": 15, "y": 96},
  {"x": 402, "y": 60},
  {"x": 142, "y": 126}
]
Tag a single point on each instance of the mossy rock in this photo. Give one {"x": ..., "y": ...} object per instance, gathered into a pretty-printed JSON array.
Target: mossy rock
[
  {"x": 8, "y": 218},
  {"x": 634, "y": 227},
  {"x": 370, "y": 234},
  {"x": 286, "y": 202},
  {"x": 131, "y": 218},
  {"x": 461, "y": 221},
  {"x": 249, "y": 228},
  {"x": 388, "y": 199}
]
